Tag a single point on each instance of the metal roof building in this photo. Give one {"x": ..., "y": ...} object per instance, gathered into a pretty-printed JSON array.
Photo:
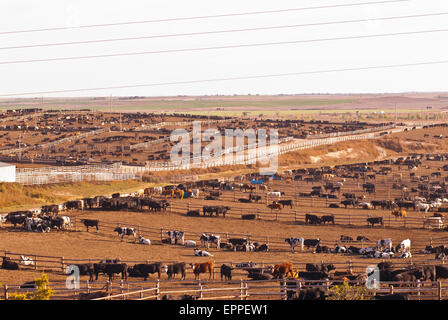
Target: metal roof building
[{"x": 7, "y": 172}]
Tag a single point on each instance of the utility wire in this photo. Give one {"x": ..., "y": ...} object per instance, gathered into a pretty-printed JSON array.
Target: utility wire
[
  {"x": 199, "y": 17},
  {"x": 220, "y": 31},
  {"x": 231, "y": 78},
  {"x": 219, "y": 47}
]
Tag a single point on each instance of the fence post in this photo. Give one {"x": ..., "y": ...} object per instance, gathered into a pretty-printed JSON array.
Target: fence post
[
  {"x": 158, "y": 290},
  {"x": 241, "y": 289},
  {"x": 439, "y": 290},
  {"x": 5, "y": 287},
  {"x": 35, "y": 262},
  {"x": 200, "y": 290}
]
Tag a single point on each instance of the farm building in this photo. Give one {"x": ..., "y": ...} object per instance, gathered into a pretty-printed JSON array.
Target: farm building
[{"x": 7, "y": 172}]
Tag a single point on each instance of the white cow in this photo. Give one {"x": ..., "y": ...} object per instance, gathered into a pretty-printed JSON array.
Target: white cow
[
  {"x": 404, "y": 246},
  {"x": 26, "y": 261},
  {"x": 195, "y": 193},
  {"x": 190, "y": 243},
  {"x": 274, "y": 194},
  {"x": 202, "y": 253},
  {"x": 422, "y": 206},
  {"x": 143, "y": 240}
]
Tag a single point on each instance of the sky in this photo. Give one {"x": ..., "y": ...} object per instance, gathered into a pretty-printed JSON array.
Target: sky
[{"x": 17, "y": 78}]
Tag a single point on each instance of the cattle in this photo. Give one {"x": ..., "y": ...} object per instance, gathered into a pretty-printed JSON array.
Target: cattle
[
  {"x": 175, "y": 236},
  {"x": 285, "y": 203},
  {"x": 26, "y": 261},
  {"x": 215, "y": 209},
  {"x": 146, "y": 268},
  {"x": 361, "y": 238},
  {"x": 283, "y": 269},
  {"x": 295, "y": 242},
  {"x": 327, "y": 218},
  {"x": 226, "y": 272},
  {"x": 309, "y": 294},
  {"x": 256, "y": 198},
  {"x": 399, "y": 213},
  {"x": 404, "y": 246},
  {"x": 193, "y": 213},
  {"x": 110, "y": 269},
  {"x": 125, "y": 231},
  {"x": 238, "y": 242},
  {"x": 375, "y": 220},
  {"x": 90, "y": 223},
  {"x": 261, "y": 248},
  {"x": 439, "y": 249},
  {"x": 385, "y": 244},
  {"x": 275, "y": 194},
  {"x": 142, "y": 240},
  {"x": 74, "y": 205},
  {"x": 8, "y": 264},
  {"x": 173, "y": 269},
  {"x": 322, "y": 249},
  {"x": 202, "y": 253},
  {"x": 203, "y": 267},
  {"x": 312, "y": 219},
  {"x": 311, "y": 242},
  {"x": 338, "y": 249},
  {"x": 346, "y": 238},
  {"x": 86, "y": 268},
  {"x": 394, "y": 296},
  {"x": 206, "y": 239},
  {"x": 190, "y": 243},
  {"x": 313, "y": 275},
  {"x": 275, "y": 206}
]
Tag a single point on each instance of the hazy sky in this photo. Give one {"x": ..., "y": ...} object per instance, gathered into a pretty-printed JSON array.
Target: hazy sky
[{"x": 235, "y": 62}]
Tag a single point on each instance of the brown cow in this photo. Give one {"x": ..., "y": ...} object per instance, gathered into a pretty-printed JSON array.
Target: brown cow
[
  {"x": 203, "y": 267},
  {"x": 275, "y": 205},
  {"x": 283, "y": 269}
]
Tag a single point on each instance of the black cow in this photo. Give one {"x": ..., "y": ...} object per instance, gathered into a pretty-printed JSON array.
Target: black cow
[
  {"x": 15, "y": 219},
  {"x": 286, "y": 203},
  {"x": 86, "y": 268},
  {"x": 309, "y": 294},
  {"x": 311, "y": 242},
  {"x": 312, "y": 219},
  {"x": 376, "y": 220},
  {"x": 395, "y": 296},
  {"x": 322, "y": 249},
  {"x": 346, "y": 238},
  {"x": 7, "y": 264},
  {"x": 193, "y": 213},
  {"x": 110, "y": 269},
  {"x": 327, "y": 218},
  {"x": 146, "y": 268},
  {"x": 176, "y": 268},
  {"x": 226, "y": 272},
  {"x": 90, "y": 223},
  {"x": 361, "y": 238}
]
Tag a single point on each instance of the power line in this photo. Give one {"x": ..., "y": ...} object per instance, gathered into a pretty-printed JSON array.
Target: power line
[
  {"x": 220, "y": 47},
  {"x": 230, "y": 78},
  {"x": 221, "y": 31},
  {"x": 200, "y": 17}
]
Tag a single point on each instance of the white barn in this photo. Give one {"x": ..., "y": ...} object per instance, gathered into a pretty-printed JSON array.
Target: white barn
[{"x": 7, "y": 172}]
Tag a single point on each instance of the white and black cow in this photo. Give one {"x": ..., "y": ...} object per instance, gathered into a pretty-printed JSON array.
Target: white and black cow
[
  {"x": 206, "y": 239},
  {"x": 295, "y": 242},
  {"x": 385, "y": 244},
  {"x": 125, "y": 231},
  {"x": 404, "y": 246},
  {"x": 143, "y": 240},
  {"x": 175, "y": 236},
  {"x": 202, "y": 253}
]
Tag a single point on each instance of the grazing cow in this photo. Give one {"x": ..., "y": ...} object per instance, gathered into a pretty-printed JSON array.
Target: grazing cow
[
  {"x": 312, "y": 219},
  {"x": 90, "y": 223},
  {"x": 110, "y": 269},
  {"x": 203, "y": 267},
  {"x": 226, "y": 272},
  {"x": 7, "y": 264},
  {"x": 385, "y": 244},
  {"x": 283, "y": 269},
  {"x": 146, "y": 268},
  {"x": 173, "y": 269},
  {"x": 175, "y": 236},
  {"x": 142, "y": 240},
  {"x": 202, "y": 253},
  {"x": 285, "y": 203},
  {"x": 327, "y": 218},
  {"x": 294, "y": 242},
  {"x": 206, "y": 239},
  {"x": 375, "y": 220},
  {"x": 311, "y": 242},
  {"x": 125, "y": 231}
]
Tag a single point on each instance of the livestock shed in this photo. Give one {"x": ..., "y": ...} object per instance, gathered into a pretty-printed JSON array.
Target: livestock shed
[{"x": 7, "y": 172}]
